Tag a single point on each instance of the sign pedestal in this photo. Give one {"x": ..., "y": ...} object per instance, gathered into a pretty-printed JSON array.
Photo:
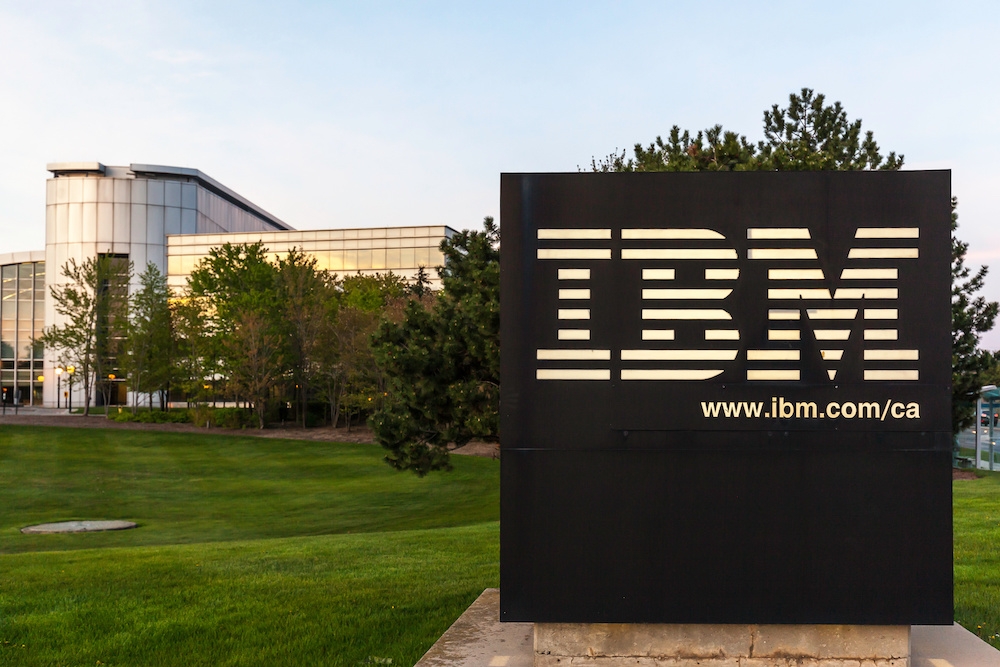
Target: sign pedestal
[{"x": 722, "y": 645}]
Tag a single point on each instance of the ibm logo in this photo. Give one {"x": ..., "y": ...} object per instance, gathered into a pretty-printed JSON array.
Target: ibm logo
[{"x": 687, "y": 328}]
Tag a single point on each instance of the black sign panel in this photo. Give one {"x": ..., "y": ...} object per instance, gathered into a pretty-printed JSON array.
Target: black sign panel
[{"x": 726, "y": 398}]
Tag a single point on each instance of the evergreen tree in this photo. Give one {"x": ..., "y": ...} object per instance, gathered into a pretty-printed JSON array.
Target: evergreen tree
[
  {"x": 971, "y": 315},
  {"x": 807, "y": 135},
  {"x": 442, "y": 363},
  {"x": 810, "y": 136}
]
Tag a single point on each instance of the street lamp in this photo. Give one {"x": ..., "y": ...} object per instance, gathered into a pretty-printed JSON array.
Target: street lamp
[
  {"x": 59, "y": 372},
  {"x": 70, "y": 370},
  {"x": 111, "y": 387}
]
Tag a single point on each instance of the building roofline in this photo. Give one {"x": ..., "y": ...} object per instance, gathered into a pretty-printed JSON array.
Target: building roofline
[
  {"x": 75, "y": 167},
  {"x": 22, "y": 257},
  {"x": 154, "y": 170},
  {"x": 213, "y": 185},
  {"x": 192, "y": 239}
]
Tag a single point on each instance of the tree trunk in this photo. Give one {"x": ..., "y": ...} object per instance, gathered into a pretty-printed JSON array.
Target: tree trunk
[
  {"x": 336, "y": 405},
  {"x": 87, "y": 392}
]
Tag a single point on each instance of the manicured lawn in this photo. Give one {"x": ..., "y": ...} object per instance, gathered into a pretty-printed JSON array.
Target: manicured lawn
[
  {"x": 977, "y": 555},
  {"x": 332, "y": 600},
  {"x": 185, "y": 488},
  {"x": 250, "y": 551}
]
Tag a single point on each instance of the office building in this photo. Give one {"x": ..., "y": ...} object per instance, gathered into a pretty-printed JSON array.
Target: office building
[{"x": 171, "y": 217}]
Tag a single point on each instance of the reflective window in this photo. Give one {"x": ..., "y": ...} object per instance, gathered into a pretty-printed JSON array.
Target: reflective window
[{"x": 22, "y": 309}]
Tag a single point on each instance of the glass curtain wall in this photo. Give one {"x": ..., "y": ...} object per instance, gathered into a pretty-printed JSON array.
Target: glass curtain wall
[
  {"x": 22, "y": 318},
  {"x": 111, "y": 314}
]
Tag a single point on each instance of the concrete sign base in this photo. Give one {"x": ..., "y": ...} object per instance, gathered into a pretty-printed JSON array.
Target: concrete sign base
[
  {"x": 730, "y": 645},
  {"x": 479, "y": 639}
]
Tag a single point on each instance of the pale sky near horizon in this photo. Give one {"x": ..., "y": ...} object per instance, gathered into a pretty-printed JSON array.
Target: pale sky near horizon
[{"x": 366, "y": 114}]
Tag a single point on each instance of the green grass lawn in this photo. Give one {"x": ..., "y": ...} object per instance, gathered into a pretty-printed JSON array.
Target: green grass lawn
[
  {"x": 250, "y": 551},
  {"x": 977, "y": 555},
  {"x": 331, "y": 600},
  {"x": 254, "y": 551},
  {"x": 191, "y": 488}
]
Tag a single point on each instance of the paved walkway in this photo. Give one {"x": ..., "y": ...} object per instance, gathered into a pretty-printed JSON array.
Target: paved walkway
[{"x": 479, "y": 639}]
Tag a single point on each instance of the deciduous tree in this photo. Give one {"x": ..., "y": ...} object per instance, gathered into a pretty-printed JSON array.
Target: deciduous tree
[
  {"x": 149, "y": 346},
  {"x": 307, "y": 304},
  {"x": 254, "y": 351},
  {"x": 89, "y": 300}
]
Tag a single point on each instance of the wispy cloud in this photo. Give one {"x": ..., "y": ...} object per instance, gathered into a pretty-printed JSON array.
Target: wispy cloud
[{"x": 174, "y": 57}]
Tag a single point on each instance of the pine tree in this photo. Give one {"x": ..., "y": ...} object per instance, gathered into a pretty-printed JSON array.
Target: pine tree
[
  {"x": 971, "y": 315},
  {"x": 807, "y": 135},
  {"x": 442, "y": 363}
]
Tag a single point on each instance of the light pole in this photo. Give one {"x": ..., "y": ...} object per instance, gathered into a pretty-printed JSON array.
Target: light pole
[
  {"x": 70, "y": 370},
  {"x": 111, "y": 387},
  {"x": 59, "y": 372}
]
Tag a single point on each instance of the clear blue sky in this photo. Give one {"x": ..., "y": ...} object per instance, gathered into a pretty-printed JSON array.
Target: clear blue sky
[{"x": 363, "y": 114}]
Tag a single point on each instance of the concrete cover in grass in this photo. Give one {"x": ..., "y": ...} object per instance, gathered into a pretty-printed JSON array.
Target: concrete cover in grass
[{"x": 77, "y": 527}]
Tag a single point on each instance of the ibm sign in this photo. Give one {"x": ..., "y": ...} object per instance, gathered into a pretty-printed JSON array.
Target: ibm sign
[{"x": 726, "y": 397}]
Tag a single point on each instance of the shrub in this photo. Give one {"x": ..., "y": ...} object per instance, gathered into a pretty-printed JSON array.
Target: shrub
[
  {"x": 234, "y": 418},
  {"x": 204, "y": 415},
  {"x": 152, "y": 417}
]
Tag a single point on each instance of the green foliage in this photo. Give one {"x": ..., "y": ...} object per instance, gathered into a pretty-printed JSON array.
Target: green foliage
[
  {"x": 810, "y": 136},
  {"x": 236, "y": 290},
  {"x": 254, "y": 354},
  {"x": 261, "y": 330},
  {"x": 234, "y": 418},
  {"x": 442, "y": 363},
  {"x": 235, "y": 279},
  {"x": 196, "y": 356},
  {"x": 149, "y": 344},
  {"x": 711, "y": 150},
  {"x": 92, "y": 302},
  {"x": 153, "y": 417},
  {"x": 308, "y": 304},
  {"x": 371, "y": 293},
  {"x": 971, "y": 315},
  {"x": 807, "y": 135}
]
